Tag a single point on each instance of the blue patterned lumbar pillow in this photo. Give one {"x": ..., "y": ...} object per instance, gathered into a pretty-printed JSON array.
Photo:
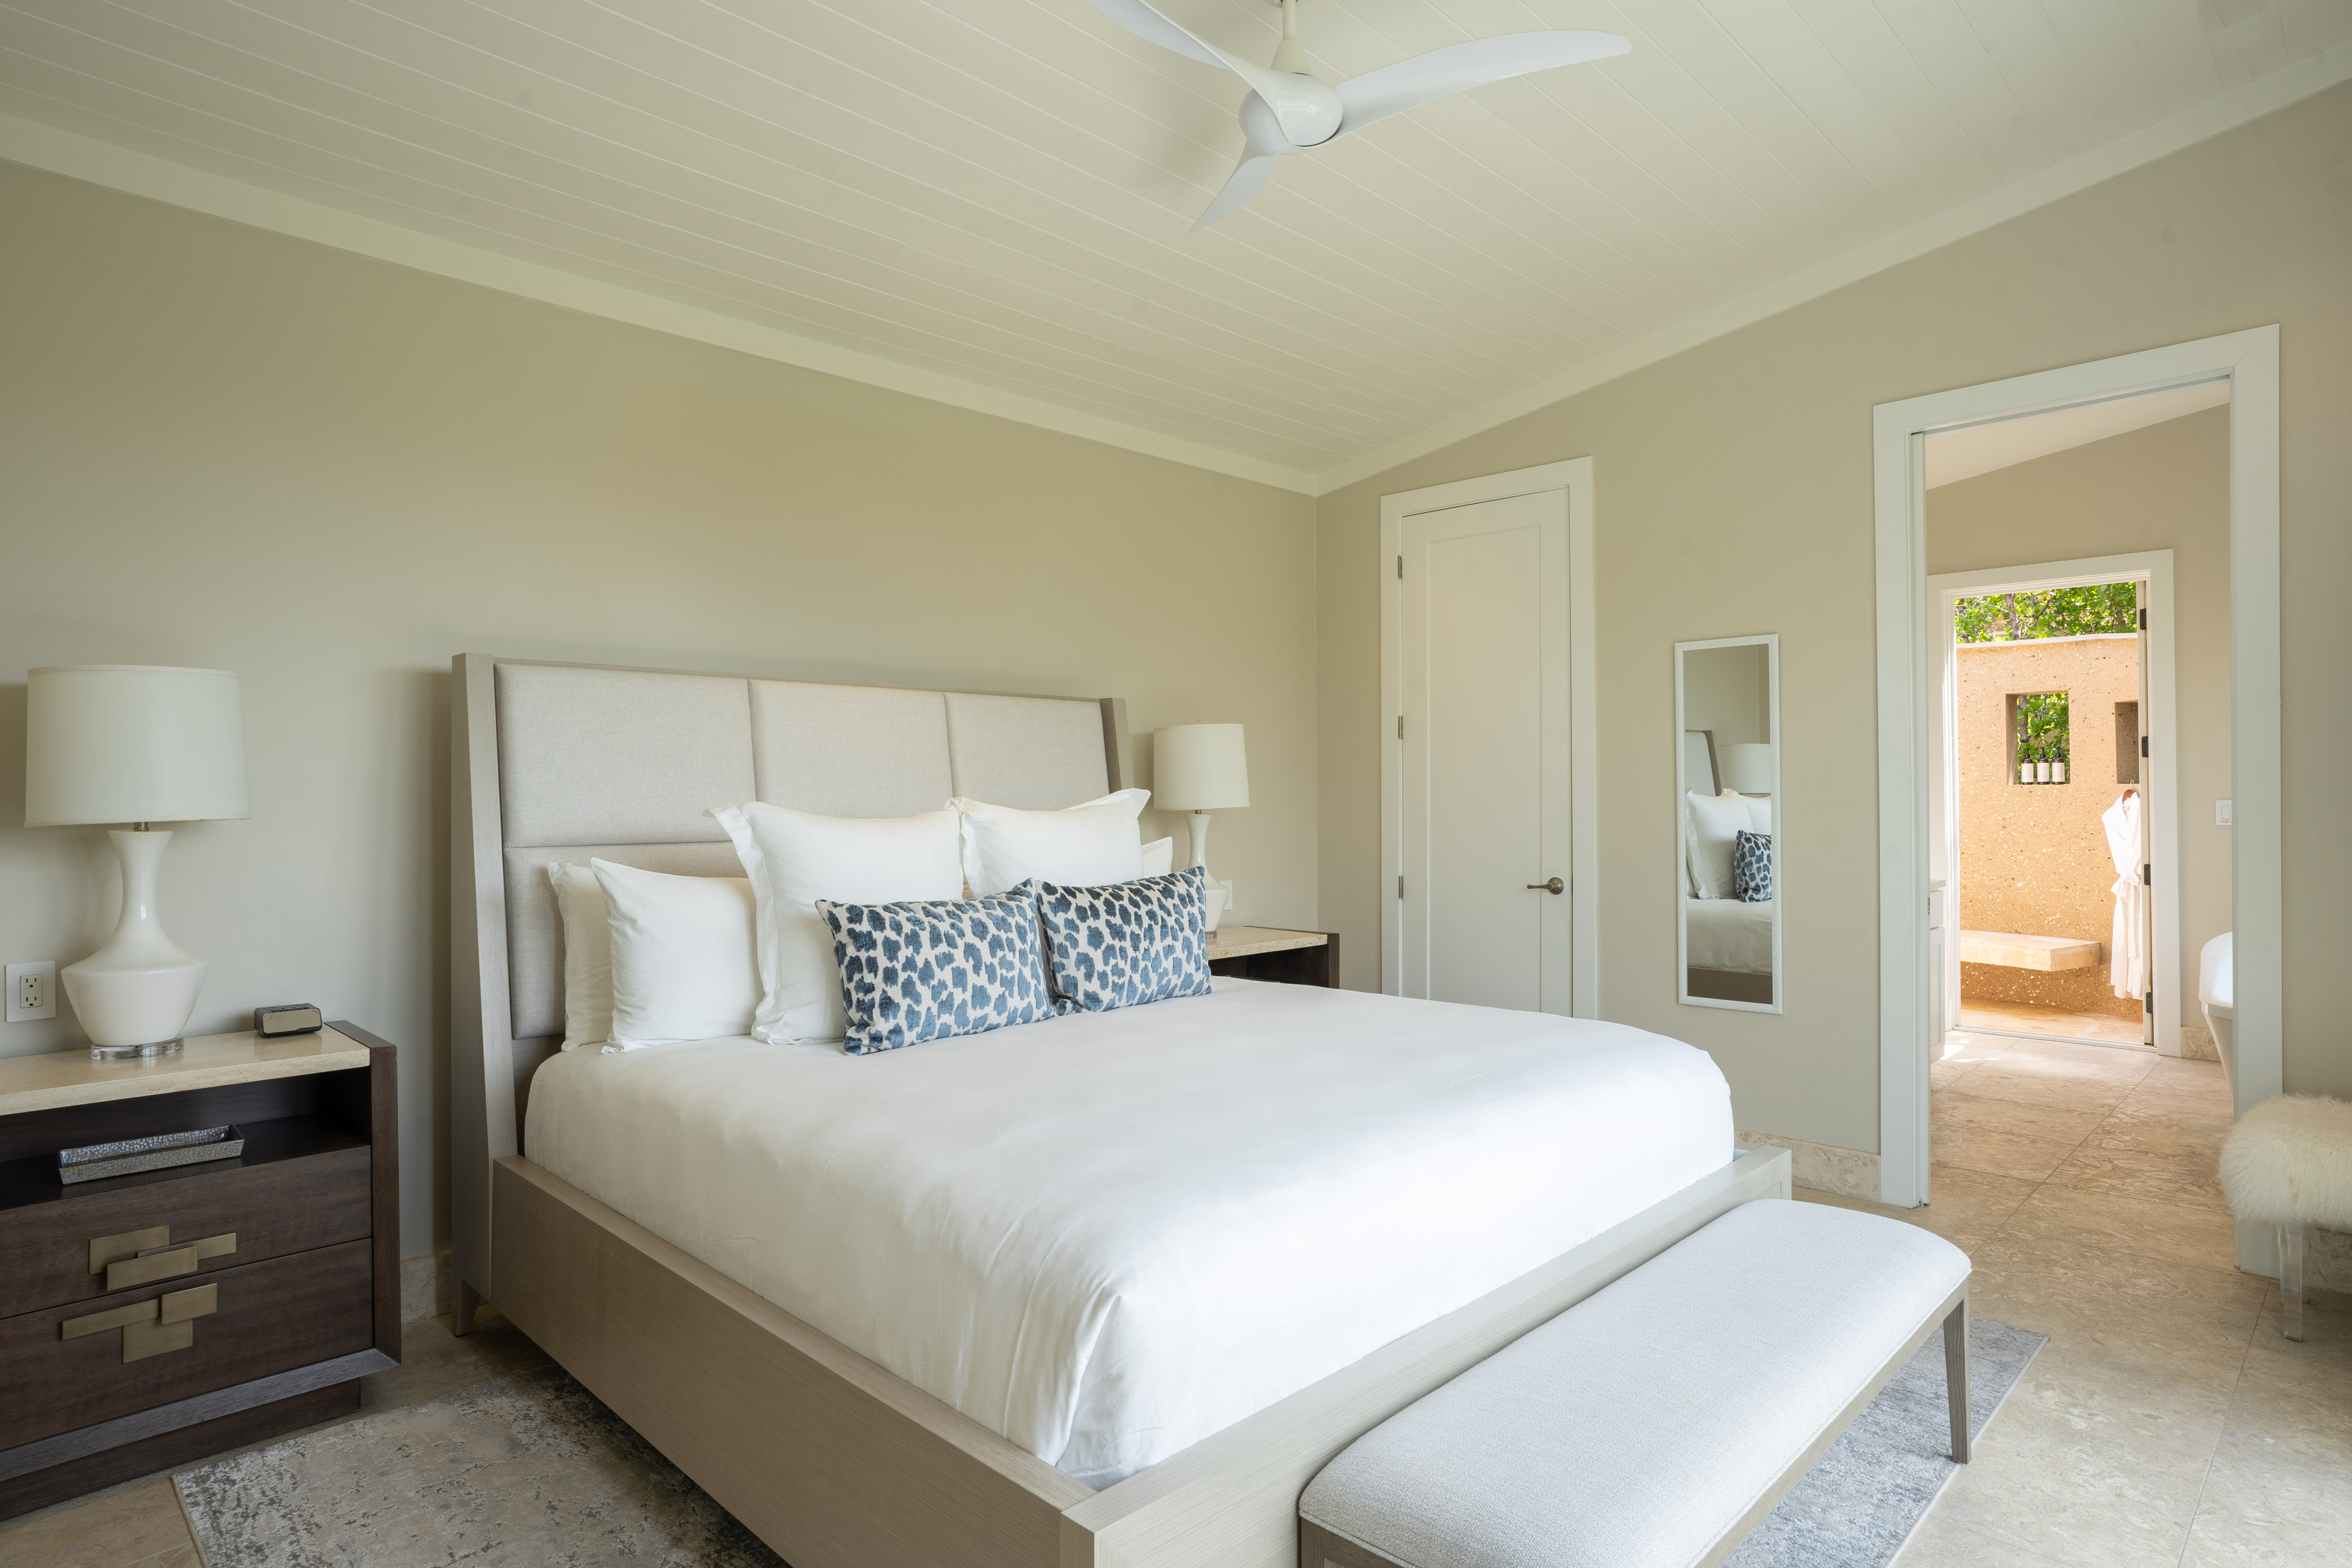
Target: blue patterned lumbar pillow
[
  {"x": 913, "y": 972},
  {"x": 1751, "y": 866},
  {"x": 1130, "y": 943}
]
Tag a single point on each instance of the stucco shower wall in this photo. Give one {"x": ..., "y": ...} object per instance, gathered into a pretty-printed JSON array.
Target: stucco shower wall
[{"x": 2034, "y": 857}]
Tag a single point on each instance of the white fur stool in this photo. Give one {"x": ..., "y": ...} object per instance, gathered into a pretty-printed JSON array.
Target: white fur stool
[{"x": 2288, "y": 1163}]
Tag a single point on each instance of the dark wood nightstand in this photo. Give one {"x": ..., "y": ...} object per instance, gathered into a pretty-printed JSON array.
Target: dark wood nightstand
[
  {"x": 1265, "y": 953},
  {"x": 157, "y": 1317}
]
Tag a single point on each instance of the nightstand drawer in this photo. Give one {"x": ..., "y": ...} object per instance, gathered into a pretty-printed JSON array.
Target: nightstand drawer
[
  {"x": 235, "y": 1215},
  {"x": 186, "y": 1336}
]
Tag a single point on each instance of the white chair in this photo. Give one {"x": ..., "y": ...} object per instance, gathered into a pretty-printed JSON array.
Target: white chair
[{"x": 2288, "y": 1163}]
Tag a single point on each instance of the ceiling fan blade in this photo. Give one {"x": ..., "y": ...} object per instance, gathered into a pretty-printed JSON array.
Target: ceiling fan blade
[
  {"x": 1248, "y": 178},
  {"x": 1409, "y": 84},
  {"x": 1308, "y": 110}
]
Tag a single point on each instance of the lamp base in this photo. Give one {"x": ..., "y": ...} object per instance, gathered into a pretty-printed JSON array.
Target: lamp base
[
  {"x": 135, "y": 994},
  {"x": 135, "y": 1052}
]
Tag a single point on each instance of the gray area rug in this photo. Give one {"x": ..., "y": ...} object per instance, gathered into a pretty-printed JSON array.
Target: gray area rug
[
  {"x": 534, "y": 1470},
  {"x": 1858, "y": 1505},
  {"x": 522, "y": 1471}
]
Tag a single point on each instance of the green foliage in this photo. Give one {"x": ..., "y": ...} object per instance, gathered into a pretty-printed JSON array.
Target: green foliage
[
  {"x": 2052, "y": 613},
  {"x": 2041, "y": 728}
]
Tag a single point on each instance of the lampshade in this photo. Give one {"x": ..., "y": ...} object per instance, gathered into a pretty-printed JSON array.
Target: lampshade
[
  {"x": 1199, "y": 767},
  {"x": 1748, "y": 768},
  {"x": 132, "y": 743}
]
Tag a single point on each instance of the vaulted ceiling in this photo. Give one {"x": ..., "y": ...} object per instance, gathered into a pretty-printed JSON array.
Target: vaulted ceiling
[{"x": 997, "y": 193}]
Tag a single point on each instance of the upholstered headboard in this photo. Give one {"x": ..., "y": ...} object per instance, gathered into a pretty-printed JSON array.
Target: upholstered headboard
[{"x": 561, "y": 762}]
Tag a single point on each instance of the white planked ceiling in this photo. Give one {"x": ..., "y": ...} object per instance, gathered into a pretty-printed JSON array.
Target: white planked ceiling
[{"x": 997, "y": 193}]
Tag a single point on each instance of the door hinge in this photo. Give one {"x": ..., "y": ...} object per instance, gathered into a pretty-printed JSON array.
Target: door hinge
[
  {"x": 2148, "y": 876},
  {"x": 2143, "y": 746},
  {"x": 2149, "y": 1002},
  {"x": 1400, "y": 568},
  {"x": 2143, "y": 618},
  {"x": 1400, "y": 887},
  {"x": 1400, "y": 727}
]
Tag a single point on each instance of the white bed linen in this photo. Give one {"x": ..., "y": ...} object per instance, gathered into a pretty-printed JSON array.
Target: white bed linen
[
  {"x": 1728, "y": 934},
  {"x": 1108, "y": 1235}
]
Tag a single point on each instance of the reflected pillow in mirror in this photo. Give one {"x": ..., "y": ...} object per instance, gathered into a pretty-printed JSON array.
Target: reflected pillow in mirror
[
  {"x": 1751, "y": 867},
  {"x": 1716, "y": 821}
]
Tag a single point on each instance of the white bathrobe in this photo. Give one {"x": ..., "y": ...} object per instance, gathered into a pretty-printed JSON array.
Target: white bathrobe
[{"x": 2127, "y": 949}]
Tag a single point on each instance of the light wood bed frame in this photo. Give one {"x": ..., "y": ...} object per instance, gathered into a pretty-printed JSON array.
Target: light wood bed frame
[{"x": 831, "y": 1460}]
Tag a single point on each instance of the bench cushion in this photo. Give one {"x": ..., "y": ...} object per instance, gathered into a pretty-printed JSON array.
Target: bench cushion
[{"x": 1637, "y": 1426}]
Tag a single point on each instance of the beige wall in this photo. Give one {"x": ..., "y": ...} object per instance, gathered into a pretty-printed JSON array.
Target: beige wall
[
  {"x": 222, "y": 447},
  {"x": 1733, "y": 495},
  {"x": 2034, "y": 857},
  {"x": 2165, "y": 487}
]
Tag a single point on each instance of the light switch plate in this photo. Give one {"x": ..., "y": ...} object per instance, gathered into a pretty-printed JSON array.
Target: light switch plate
[
  {"x": 32, "y": 991},
  {"x": 2220, "y": 813}
]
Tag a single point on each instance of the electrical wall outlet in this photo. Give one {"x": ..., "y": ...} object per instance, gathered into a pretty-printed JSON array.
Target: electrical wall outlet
[
  {"x": 32, "y": 991},
  {"x": 2220, "y": 813},
  {"x": 1229, "y": 894}
]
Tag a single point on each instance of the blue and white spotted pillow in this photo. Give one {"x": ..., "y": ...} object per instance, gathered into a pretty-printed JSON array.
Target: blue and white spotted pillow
[
  {"x": 1127, "y": 944},
  {"x": 918, "y": 971},
  {"x": 1751, "y": 866}
]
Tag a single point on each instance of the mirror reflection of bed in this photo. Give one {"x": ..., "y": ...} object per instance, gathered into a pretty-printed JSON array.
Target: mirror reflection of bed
[{"x": 1726, "y": 702}]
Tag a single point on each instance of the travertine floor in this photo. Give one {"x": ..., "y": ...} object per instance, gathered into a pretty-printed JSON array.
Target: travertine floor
[
  {"x": 2167, "y": 1422},
  {"x": 2058, "y": 1023},
  {"x": 138, "y": 1524}
]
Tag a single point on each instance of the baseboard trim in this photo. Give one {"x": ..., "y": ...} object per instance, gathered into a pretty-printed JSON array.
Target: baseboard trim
[
  {"x": 424, "y": 1287},
  {"x": 1821, "y": 1167}
]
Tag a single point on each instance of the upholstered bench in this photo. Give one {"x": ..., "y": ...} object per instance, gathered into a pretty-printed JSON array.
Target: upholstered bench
[{"x": 1655, "y": 1424}]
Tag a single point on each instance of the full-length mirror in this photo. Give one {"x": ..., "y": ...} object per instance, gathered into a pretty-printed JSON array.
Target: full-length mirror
[{"x": 1727, "y": 800}]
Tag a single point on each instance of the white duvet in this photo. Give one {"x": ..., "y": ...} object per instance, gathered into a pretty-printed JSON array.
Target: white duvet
[{"x": 1110, "y": 1235}]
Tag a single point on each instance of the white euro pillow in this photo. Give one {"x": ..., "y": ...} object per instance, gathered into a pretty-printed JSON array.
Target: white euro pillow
[
  {"x": 685, "y": 965},
  {"x": 1716, "y": 823},
  {"x": 587, "y": 955},
  {"x": 1088, "y": 845},
  {"x": 1159, "y": 858},
  {"x": 795, "y": 858}
]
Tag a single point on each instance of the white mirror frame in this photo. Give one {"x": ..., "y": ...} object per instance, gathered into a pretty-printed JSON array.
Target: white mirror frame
[{"x": 1771, "y": 642}]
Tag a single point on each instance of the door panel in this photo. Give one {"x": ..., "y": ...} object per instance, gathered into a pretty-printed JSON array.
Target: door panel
[{"x": 1485, "y": 753}]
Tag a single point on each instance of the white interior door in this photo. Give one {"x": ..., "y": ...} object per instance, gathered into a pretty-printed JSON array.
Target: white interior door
[{"x": 1483, "y": 741}]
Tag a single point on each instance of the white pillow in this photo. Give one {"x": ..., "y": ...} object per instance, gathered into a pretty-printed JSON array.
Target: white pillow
[
  {"x": 1159, "y": 858},
  {"x": 1090, "y": 845},
  {"x": 587, "y": 957},
  {"x": 684, "y": 964},
  {"x": 1760, "y": 813},
  {"x": 796, "y": 858},
  {"x": 1716, "y": 820}
]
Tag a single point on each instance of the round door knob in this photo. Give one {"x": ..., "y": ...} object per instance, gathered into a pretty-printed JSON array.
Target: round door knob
[{"x": 1554, "y": 885}]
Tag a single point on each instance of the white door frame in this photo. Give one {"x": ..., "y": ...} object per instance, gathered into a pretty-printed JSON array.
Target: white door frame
[
  {"x": 1575, "y": 477},
  {"x": 2250, "y": 360},
  {"x": 2153, "y": 568}
]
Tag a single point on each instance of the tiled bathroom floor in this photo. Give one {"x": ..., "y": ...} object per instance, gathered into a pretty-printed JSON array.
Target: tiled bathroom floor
[
  {"x": 2057, "y": 1023},
  {"x": 2167, "y": 1422}
]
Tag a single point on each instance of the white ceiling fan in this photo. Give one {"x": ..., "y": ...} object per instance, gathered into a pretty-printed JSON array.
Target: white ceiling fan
[{"x": 1288, "y": 110}]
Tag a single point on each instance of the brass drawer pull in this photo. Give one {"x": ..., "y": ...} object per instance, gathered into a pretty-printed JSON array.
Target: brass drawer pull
[
  {"x": 107, "y": 1249},
  {"x": 166, "y": 1263},
  {"x": 151, "y": 1328}
]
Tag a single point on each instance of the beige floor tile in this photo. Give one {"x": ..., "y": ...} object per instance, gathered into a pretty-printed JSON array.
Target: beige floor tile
[
  {"x": 2056, "y": 1056},
  {"x": 2009, "y": 1081},
  {"x": 433, "y": 1362},
  {"x": 2327, "y": 1342},
  {"x": 1968, "y": 1206},
  {"x": 1943, "y": 1074},
  {"x": 2194, "y": 1321},
  {"x": 2052, "y": 1123},
  {"x": 2190, "y": 1179},
  {"x": 2280, "y": 1490},
  {"x": 2059, "y": 1217},
  {"x": 177, "y": 1557},
  {"x": 109, "y": 1529},
  {"x": 1939, "y": 1542},
  {"x": 2093, "y": 1461},
  {"x": 2159, "y": 1125},
  {"x": 1968, "y": 1146},
  {"x": 2178, "y": 1073}
]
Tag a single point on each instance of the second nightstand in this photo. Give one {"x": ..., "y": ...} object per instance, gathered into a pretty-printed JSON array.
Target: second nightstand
[{"x": 1265, "y": 953}]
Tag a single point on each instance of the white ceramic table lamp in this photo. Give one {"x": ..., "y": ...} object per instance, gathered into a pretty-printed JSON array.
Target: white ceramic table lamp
[
  {"x": 1748, "y": 768},
  {"x": 137, "y": 744},
  {"x": 1200, "y": 769}
]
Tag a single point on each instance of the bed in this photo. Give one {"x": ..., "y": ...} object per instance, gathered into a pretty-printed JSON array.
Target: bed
[{"x": 1104, "y": 1290}]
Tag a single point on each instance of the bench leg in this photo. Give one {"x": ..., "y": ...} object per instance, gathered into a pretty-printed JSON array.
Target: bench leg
[
  {"x": 2291, "y": 1280},
  {"x": 1956, "y": 1376}
]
